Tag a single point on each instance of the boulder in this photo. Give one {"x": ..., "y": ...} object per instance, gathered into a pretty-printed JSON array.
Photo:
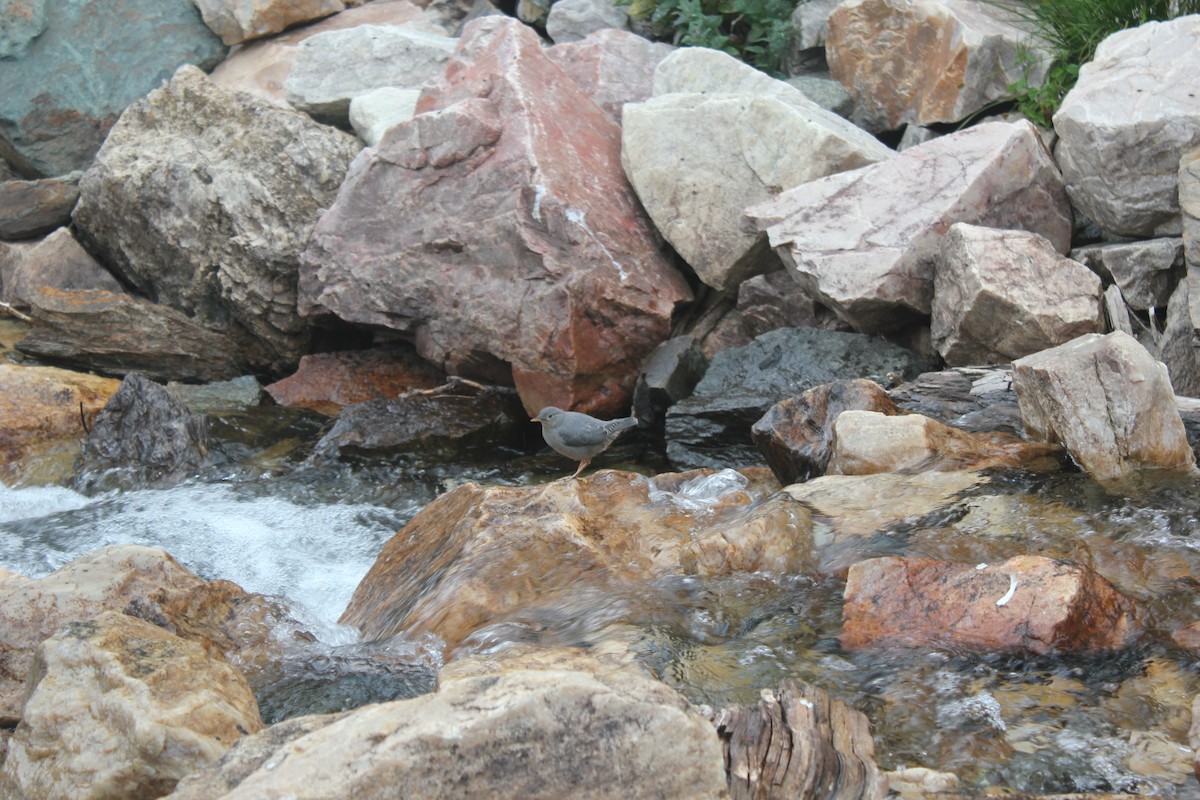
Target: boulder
[
  {"x": 810, "y": 22},
  {"x": 825, "y": 92},
  {"x": 712, "y": 427},
  {"x": 1108, "y": 402},
  {"x": 795, "y": 436},
  {"x": 698, "y": 159},
  {"x": 765, "y": 303},
  {"x": 202, "y": 199},
  {"x": 1175, "y": 344},
  {"x": 327, "y": 382},
  {"x": 866, "y": 442},
  {"x": 456, "y": 415},
  {"x": 611, "y": 66},
  {"x": 865, "y": 242},
  {"x": 1003, "y": 294},
  {"x": 571, "y": 734},
  {"x": 970, "y": 398},
  {"x": 142, "y": 437},
  {"x": 332, "y": 67},
  {"x": 218, "y": 397},
  {"x": 69, "y": 74},
  {"x": 481, "y": 556},
  {"x": 42, "y": 405},
  {"x": 376, "y": 110},
  {"x": 35, "y": 208},
  {"x": 57, "y": 262},
  {"x": 573, "y": 20},
  {"x": 118, "y": 708},
  {"x": 237, "y": 21},
  {"x": 1189, "y": 204},
  {"x": 929, "y": 61},
  {"x": 1124, "y": 126},
  {"x": 1145, "y": 272},
  {"x": 1027, "y": 604},
  {"x": 669, "y": 375},
  {"x": 555, "y": 285},
  {"x": 115, "y": 333},
  {"x": 261, "y": 67}
]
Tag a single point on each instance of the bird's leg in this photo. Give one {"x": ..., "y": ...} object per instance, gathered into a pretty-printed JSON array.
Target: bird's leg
[{"x": 582, "y": 465}]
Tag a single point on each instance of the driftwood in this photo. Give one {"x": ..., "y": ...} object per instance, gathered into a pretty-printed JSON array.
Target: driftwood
[{"x": 799, "y": 742}]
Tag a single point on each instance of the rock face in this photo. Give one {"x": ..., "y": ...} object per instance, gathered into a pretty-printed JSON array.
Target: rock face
[
  {"x": 865, "y": 242},
  {"x": 326, "y": 382},
  {"x": 478, "y": 556},
  {"x": 237, "y": 21},
  {"x": 697, "y": 160},
  {"x": 143, "y": 437},
  {"x": 118, "y": 708},
  {"x": 927, "y": 61},
  {"x": 554, "y": 284},
  {"x": 33, "y": 208},
  {"x": 712, "y": 427},
  {"x": 796, "y": 435},
  {"x": 1000, "y": 295},
  {"x": 1109, "y": 403},
  {"x": 116, "y": 333},
  {"x": 331, "y": 68},
  {"x": 867, "y": 442},
  {"x": 1124, "y": 126},
  {"x": 40, "y": 405},
  {"x": 572, "y": 733},
  {"x": 202, "y": 199},
  {"x": 68, "y": 77},
  {"x": 1027, "y": 603},
  {"x": 58, "y": 262},
  {"x": 613, "y": 67}
]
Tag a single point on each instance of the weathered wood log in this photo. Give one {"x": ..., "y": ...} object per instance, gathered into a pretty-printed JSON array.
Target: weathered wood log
[{"x": 799, "y": 742}]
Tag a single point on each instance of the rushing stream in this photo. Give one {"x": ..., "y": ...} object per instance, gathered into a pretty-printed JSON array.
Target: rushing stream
[{"x": 270, "y": 521}]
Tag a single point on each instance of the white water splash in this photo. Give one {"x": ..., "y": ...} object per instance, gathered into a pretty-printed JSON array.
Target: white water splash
[{"x": 699, "y": 494}]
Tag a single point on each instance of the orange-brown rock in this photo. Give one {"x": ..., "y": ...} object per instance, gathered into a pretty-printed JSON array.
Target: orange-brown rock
[
  {"x": 326, "y": 382},
  {"x": 480, "y": 555},
  {"x": 867, "y": 442},
  {"x": 41, "y": 404},
  {"x": 795, "y": 435},
  {"x": 1025, "y": 604}
]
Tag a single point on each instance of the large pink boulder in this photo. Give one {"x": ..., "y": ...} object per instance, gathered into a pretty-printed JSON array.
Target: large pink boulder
[{"x": 498, "y": 230}]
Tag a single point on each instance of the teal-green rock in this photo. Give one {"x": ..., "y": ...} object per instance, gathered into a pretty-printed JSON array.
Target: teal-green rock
[{"x": 67, "y": 79}]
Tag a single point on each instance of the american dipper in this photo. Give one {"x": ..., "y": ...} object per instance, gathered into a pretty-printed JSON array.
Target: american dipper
[{"x": 579, "y": 436}]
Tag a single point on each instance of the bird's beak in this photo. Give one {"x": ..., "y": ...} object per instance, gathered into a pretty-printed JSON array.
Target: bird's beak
[{"x": 537, "y": 419}]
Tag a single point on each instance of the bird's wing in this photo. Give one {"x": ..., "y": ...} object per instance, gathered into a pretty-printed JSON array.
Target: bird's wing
[{"x": 588, "y": 435}]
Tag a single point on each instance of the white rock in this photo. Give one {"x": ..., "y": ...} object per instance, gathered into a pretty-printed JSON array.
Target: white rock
[
  {"x": 572, "y": 20},
  {"x": 1142, "y": 270},
  {"x": 1189, "y": 204},
  {"x": 1124, "y": 126},
  {"x": 373, "y": 112},
  {"x": 810, "y": 20}
]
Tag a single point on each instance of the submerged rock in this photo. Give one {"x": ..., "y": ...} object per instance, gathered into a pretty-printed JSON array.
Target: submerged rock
[
  {"x": 118, "y": 708},
  {"x": 1026, "y": 604}
]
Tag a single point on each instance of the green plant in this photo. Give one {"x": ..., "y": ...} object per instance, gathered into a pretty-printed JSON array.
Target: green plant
[
  {"x": 756, "y": 31},
  {"x": 1071, "y": 30}
]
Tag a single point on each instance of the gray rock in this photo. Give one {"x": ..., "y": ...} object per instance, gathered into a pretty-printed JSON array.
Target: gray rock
[
  {"x": 56, "y": 262},
  {"x": 1000, "y": 295},
  {"x": 373, "y": 113},
  {"x": 810, "y": 21},
  {"x": 331, "y": 68},
  {"x": 34, "y": 208},
  {"x": 929, "y": 61},
  {"x": 469, "y": 229},
  {"x": 202, "y": 198},
  {"x": 711, "y": 428},
  {"x": 1176, "y": 346},
  {"x": 1116, "y": 311},
  {"x": 970, "y": 398},
  {"x": 1109, "y": 402},
  {"x": 1124, "y": 126},
  {"x": 237, "y": 21},
  {"x": 1189, "y": 204},
  {"x": 613, "y": 67},
  {"x": 670, "y": 375},
  {"x": 93, "y": 59},
  {"x": 572, "y": 733},
  {"x": 115, "y": 333},
  {"x": 865, "y": 242},
  {"x": 1144, "y": 271},
  {"x": 573, "y": 20},
  {"x": 235, "y": 394},
  {"x": 142, "y": 437},
  {"x": 915, "y": 135},
  {"x": 825, "y": 92},
  {"x": 21, "y": 22},
  {"x": 697, "y": 160}
]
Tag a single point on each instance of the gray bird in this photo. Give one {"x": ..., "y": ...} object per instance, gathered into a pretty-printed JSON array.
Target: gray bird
[{"x": 579, "y": 436}]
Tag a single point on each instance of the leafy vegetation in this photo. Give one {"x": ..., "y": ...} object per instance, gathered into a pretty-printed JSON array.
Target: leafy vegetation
[
  {"x": 1071, "y": 30},
  {"x": 756, "y": 31}
]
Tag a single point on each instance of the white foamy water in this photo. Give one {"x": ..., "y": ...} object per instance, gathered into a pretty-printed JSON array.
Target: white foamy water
[{"x": 312, "y": 555}]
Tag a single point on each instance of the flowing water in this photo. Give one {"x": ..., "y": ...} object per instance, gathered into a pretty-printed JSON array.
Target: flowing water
[{"x": 274, "y": 523}]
